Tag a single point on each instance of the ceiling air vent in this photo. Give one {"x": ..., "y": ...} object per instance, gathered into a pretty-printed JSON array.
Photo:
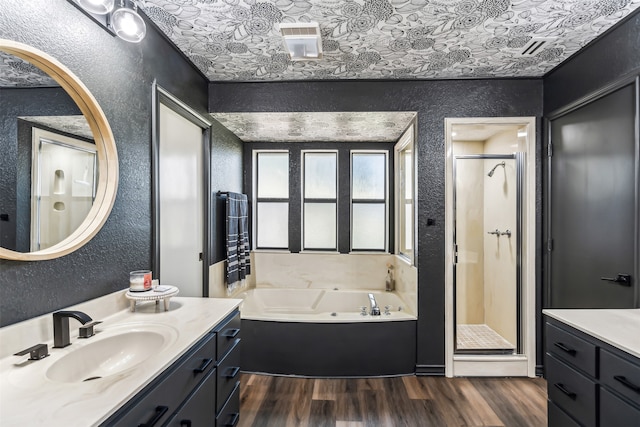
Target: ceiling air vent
[
  {"x": 535, "y": 46},
  {"x": 302, "y": 40}
]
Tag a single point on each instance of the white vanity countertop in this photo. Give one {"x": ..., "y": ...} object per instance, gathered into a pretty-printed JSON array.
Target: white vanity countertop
[
  {"x": 618, "y": 327},
  {"x": 29, "y": 398}
]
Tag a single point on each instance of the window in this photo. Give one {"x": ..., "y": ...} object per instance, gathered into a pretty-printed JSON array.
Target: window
[
  {"x": 272, "y": 199},
  {"x": 405, "y": 195},
  {"x": 369, "y": 200},
  {"x": 319, "y": 200}
]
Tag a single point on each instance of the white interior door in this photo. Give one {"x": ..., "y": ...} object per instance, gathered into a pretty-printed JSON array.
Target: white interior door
[{"x": 181, "y": 202}]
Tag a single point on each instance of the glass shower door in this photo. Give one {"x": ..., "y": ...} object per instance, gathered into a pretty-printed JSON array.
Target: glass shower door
[{"x": 487, "y": 282}]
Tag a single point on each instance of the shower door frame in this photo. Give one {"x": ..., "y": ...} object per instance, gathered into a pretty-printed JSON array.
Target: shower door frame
[
  {"x": 518, "y": 365},
  {"x": 518, "y": 158}
]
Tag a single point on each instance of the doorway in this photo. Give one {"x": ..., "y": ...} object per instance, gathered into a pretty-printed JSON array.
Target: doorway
[
  {"x": 490, "y": 226},
  {"x": 181, "y": 196},
  {"x": 487, "y": 282}
]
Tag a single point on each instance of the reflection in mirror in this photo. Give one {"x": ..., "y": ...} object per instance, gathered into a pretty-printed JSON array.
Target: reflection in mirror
[
  {"x": 62, "y": 186},
  {"x": 40, "y": 124},
  {"x": 39, "y": 92}
]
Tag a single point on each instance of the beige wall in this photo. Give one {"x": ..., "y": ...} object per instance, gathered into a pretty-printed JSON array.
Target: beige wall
[
  {"x": 500, "y": 253},
  {"x": 470, "y": 239}
]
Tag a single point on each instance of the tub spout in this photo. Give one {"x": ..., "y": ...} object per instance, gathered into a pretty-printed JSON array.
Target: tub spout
[{"x": 375, "y": 310}]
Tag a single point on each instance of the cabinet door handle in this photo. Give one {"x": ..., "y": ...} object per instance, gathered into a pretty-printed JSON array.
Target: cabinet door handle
[
  {"x": 160, "y": 411},
  {"x": 203, "y": 367},
  {"x": 232, "y": 372},
  {"x": 233, "y": 421},
  {"x": 185, "y": 423},
  {"x": 566, "y": 349},
  {"x": 625, "y": 382},
  {"x": 563, "y": 389},
  {"x": 231, "y": 333}
]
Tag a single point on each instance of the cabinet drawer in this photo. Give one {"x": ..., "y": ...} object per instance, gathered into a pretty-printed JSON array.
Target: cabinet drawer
[
  {"x": 615, "y": 412},
  {"x": 198, "y": 409},
  {"x": 572, "y": 349},
  {"x": 230, "y": 413},
  {"x": 228, "y": 375},
  {"x": 559, "y": 418},
  {"x": 571, "y": 391},
  {"x": 620, "y": 375},
  {"x": 166, "y": 396},
  {"x": 227, "y": 334}
]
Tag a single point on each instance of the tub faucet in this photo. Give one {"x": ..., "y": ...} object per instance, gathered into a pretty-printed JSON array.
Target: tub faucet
[
  {"x": 61, "y": 326},
  {"x": 375, "y": 310}
]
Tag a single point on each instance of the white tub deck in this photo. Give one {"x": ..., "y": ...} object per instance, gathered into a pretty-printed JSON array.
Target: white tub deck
[{"x": 320, "y": 305}]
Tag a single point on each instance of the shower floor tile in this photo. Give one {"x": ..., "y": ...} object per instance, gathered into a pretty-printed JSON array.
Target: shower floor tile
[{"x": 480, "y": 338}]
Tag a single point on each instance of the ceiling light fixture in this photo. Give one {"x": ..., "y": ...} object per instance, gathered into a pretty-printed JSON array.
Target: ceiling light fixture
[
  {"x": 127, "y": 23},
  {"x": 302, "y": 40},
  {"x": 99, "y": 7}
]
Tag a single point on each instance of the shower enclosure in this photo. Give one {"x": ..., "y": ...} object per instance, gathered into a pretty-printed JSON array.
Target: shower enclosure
[{"x": 487, "y": 279}]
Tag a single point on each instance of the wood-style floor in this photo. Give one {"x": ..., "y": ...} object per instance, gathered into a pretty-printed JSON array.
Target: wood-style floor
[{"x": 401, "y": 401}]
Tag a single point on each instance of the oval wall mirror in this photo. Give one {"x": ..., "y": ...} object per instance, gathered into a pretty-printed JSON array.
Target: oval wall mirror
[{"x": 59, "y": 166}]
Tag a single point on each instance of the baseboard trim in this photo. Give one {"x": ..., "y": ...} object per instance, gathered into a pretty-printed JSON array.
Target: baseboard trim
[{"x": 430, "y": 370}]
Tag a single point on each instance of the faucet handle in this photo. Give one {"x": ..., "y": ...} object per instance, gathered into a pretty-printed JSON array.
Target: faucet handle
[
  {"x": 387, "y": 309},
  {"x": 37, "y": 352},
  {"x": 86, "y": 331},
  {"x": 363, "y": 310}
]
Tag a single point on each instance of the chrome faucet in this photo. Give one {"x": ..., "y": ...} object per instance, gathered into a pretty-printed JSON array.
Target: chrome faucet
[
  {"x": 61, "y": 326},
  {"x": 375, "y": 310}
]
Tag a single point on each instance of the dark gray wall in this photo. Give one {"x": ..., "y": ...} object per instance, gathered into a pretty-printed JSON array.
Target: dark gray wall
[
  {"x": 612, "y": 58},
  {"x": 120, "y": 76},
  {"x": 613, "y": 55},
  {"x": 226, "y": 175},
  {"x": 433, "y": 100},
  {"x": 15, "y": 188}
]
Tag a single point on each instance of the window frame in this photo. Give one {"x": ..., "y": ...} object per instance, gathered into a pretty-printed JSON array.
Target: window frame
[
  {"x": 257, "y": 200},
  {"x": 385, "y": 153},
  {"x": 407, "y": 140},
  {"x": 304, "y": 199}
]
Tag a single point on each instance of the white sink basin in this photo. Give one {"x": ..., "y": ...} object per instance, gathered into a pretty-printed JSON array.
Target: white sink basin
[{"x": 111, "y": 352}]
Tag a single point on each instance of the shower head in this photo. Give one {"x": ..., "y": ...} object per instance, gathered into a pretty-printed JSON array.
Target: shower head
[{"x": 490, "y": 174}]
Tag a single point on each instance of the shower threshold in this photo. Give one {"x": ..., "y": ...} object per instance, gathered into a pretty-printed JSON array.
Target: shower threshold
[{"x": 481, "y": 339}]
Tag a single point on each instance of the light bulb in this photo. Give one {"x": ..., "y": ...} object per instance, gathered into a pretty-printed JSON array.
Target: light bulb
[
  {"x": 128, "y": 25},
  {"x": 99, "y": 7}
]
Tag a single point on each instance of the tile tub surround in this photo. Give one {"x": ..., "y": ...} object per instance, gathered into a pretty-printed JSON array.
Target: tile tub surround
[
  {"x": 618, "y": 327},
  {"x": 27, "y": 397},
  {"x": 328, "y": 271}
]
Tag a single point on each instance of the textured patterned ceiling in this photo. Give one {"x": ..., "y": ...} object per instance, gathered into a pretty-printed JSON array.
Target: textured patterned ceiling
[
  {"x": 238, "y": 40},
  {"x": 318, "y": 127}
]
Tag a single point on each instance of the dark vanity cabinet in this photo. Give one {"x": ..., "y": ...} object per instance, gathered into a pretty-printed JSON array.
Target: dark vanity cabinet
[
  {"x": 202, "y": 388},
  {"x": 590, "y": 383}
]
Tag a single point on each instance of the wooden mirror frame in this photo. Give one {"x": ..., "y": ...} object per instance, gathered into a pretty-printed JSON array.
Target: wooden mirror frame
[{"x": 105, "y": 146}]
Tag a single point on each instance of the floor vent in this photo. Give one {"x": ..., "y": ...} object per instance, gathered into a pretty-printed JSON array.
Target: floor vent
[{"x": 535, "y": 46}]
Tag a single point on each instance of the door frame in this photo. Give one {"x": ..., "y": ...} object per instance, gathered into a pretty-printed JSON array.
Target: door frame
[
  {"x": 161, "y": 95},
  {"x": 523, "y": 364},
  {"x": 518, "y": 160},
  {"x": 634, "y": 80}
]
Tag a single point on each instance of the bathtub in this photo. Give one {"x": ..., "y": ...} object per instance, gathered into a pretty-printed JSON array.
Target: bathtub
[
  {"x": 321, "y": 333},
  {"x": 320, "y": 305}
]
